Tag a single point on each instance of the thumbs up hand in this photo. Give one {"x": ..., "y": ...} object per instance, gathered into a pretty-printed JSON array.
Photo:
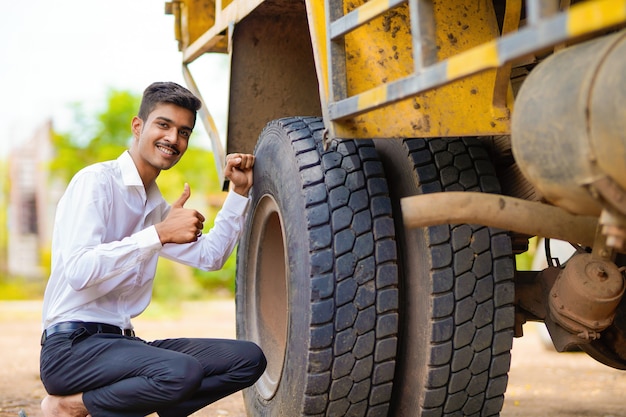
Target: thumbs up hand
[
  {"x": 183, "y": 197},
  {"x": 181, "y": 225}
]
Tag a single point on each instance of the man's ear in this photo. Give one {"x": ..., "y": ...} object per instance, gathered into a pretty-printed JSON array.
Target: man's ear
[{"x": 136, "y": 126}]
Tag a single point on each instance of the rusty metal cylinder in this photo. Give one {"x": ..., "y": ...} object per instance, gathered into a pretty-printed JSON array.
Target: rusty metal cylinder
[
  {"x": 586, "y": 294},
  {"x": 569, "y": 124}
]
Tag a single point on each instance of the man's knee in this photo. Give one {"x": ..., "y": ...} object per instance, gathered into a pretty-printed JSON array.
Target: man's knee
[
  {"x": 255, "y": 361},
  {"x": 183, "y": 377}
]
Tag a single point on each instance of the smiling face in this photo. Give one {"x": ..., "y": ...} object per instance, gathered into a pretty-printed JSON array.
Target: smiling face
[{"x": 160, "y": 140}]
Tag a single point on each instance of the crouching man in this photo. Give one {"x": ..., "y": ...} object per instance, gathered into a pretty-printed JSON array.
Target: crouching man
[{"x": 111, "y": 226}]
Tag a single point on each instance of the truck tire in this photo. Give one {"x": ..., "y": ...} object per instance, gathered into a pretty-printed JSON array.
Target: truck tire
[
  {"x": 317, "y": 275},
  {"x": 456, "y": 284}
]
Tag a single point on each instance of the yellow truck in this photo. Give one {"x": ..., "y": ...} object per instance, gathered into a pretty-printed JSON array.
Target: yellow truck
[{"x": 407, "y": 150}]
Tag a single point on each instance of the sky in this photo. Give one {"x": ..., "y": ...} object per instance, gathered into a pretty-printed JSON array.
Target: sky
[{"x": 57, "y": 52}]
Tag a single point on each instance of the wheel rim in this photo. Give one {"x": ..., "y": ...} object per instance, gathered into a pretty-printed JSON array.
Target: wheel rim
[{"x": 268, "y": 292}]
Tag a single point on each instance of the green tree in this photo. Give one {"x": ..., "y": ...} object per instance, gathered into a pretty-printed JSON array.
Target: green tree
[{"x": 100, "y": 137}]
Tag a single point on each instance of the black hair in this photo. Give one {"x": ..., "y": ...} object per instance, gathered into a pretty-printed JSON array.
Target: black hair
[{"x": 167, "y": 92}]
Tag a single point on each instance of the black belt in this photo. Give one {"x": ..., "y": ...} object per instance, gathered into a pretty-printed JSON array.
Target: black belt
[{"x": 90, "y": 327}]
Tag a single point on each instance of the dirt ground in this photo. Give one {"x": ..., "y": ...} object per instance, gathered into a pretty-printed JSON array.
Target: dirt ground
[{"x": 541, "y": 382}]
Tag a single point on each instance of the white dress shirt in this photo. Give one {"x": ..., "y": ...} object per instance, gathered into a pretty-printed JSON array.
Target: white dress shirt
[{"x": 105, "y": 246}]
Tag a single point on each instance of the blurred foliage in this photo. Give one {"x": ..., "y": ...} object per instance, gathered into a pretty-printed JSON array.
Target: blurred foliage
[
  {"x": 101, "y": 137},
  {"x": 524, "y": 261},
  {"x": 104, "y": 136},
  {"x": 20, "y": 288}
]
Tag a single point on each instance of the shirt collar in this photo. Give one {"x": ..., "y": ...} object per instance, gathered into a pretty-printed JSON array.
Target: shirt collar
[
  {"x": 131, "y": 178},
  {"x": 130, "y": 175}
]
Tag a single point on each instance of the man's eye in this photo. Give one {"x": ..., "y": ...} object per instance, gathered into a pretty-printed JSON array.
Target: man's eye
[
  {"x": 163, "y": 125},
  {"x": 185, "y": 133}
]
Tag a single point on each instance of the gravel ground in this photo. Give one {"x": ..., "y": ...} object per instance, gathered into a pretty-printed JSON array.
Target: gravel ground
[{"x": 541, "y": 381}]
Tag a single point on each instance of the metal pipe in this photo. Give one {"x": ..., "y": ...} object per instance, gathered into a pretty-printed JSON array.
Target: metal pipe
[
  {"x": 209, "y": 125},
  {"x": 508, "y": 213}
]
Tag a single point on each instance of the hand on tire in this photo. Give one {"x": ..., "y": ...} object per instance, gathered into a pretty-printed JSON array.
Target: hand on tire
[{"x": 239, "y": 172}]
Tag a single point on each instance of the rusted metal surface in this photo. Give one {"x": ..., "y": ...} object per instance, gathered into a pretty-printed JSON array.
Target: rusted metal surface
[
  {"x": 585, "y": 295},
  {"x": 272, "y": 76},
  {"x": 531, "y": 295},
  {"x": 579, "y": 304},
  {"x": 532, "y": 291}
]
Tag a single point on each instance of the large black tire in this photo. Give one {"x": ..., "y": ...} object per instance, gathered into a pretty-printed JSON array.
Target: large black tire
[
  {"x": 317, "y": 276},
  {"x": 457, "y": 311}
]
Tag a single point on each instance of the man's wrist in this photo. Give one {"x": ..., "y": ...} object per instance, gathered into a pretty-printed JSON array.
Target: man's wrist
[
  {"x": 242, "y": 191},
  {"x": 149, "y": 237},
  {"x": 160, "y": 233},
  {"x": 235, "y": 203}
]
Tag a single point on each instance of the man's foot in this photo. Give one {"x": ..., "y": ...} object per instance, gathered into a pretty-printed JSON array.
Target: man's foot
[{"x": 67, "y": 406}]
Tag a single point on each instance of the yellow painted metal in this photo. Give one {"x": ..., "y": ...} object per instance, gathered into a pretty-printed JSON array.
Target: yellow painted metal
[
  {"x": 511, "y": 21},
  {"x": 208, "y": 33},
  {"x": 604, "y": 13},
  {"x": 478, "y": 102},
  {"x": 316, "y": 15},
  {"x": 474, "y": 60},
  {"x": 200, "y": 16},
  {"x": 371, "y": 9},
  {"x": 381, "y": 51},
  {"x": 194, "y": 17}
]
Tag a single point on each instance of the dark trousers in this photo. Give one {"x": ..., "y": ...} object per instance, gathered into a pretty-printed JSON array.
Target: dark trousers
[{"x": 126, "y": 376}]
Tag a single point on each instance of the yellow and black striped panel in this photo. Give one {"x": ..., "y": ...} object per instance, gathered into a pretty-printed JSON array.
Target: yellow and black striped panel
[{"x": 581, "y": 19}]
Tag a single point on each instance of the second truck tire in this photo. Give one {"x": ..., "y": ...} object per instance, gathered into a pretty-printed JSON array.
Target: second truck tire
[{"x": 457, "y": 312}]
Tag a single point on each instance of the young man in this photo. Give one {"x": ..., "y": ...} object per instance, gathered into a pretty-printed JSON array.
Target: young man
[{"x": 111, "y": 226}]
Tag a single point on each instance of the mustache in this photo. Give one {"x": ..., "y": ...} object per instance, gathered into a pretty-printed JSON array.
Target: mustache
[{"x": 169, "y": 146}]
